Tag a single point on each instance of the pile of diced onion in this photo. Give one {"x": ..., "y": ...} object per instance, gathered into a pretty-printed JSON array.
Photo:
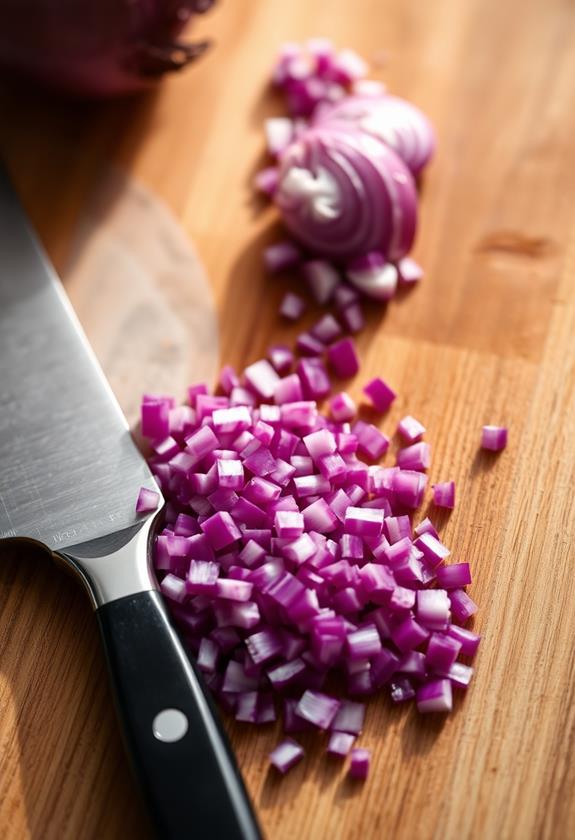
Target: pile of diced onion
[
  {"x": 289, "y": 555},
  {"x": 293, "y": 560}
]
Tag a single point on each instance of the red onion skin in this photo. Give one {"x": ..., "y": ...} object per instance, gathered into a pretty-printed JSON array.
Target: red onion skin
[
  {"x": 379, "y": 198},
  {"x": 96, "y": 48}
]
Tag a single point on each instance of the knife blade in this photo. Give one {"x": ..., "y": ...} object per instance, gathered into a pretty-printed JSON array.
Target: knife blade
[{"x": 69, "y": 478}]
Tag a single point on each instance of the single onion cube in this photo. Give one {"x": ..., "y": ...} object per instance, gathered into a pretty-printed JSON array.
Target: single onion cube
[
  {"x": 380, "y": 394},
  {"x": 349, "y": 718},
  {"x": 286, "y": 754},
  {"x": 340, "y": 743},
  {"x": 342, "y": 356},
  {"x": 314, "y": 379},
  {"x": 155, "y": 419},
  {"x": 174, "y": 588},
  {"x": 460, "y": 675},
  {"x": 342, "y": 408},
  {"x": 372, "y": 442},
  {"x": 364, "y": 522},
  {"x": 221, "y": 530},
  {"x": 234, "y": 420},
  {"x": 281, "y": 358},
  {"x": 454, "y": 576},
  {"x": 352, "y": 318},
  {"x": 434, "y": 696},
  {"x": 147, "y": 501},
  {"x": 493, "y": 438},
  {"x": 469, "y": 641},
  {"x": 322, "y": 279},
  {"x": 317, "y": 708},
  {"x": 230, "y": 474},
  {"x": 433, "y": 608},
  {"x": 292, "y": 306},
  {"x": 262, "y": 378},
  {"x": 234, "y": 590},
  {"x": 434, "y": 552},
  {"x": 409, "y": 271},
  {"x": 281, "y": 255},
  {"x": 320, "y": 443},
  {"x": 288, "y": 524},
  {"x": 359, "y": 765},
  {"x": 444, "y": 493},
  {"x": 202, "y": 577},
  {"x": 327, "y": 329},
  {"x": 442, "y": 651},
  {"x": 414, "y": 457},
  {"x": 308, "y": 345},
  {"x": 462, "y": 606},
  {"x": 410, "y": 429}
]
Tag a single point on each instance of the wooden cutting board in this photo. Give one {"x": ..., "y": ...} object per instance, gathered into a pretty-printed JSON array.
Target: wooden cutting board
[{"x": 488, "y": 337}]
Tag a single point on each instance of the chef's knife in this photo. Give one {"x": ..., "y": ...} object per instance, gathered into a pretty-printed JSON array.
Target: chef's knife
[{"x": 69, "y": 478}]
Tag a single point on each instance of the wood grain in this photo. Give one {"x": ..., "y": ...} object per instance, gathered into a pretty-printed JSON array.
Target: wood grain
[{"x": 488, "y": 337}]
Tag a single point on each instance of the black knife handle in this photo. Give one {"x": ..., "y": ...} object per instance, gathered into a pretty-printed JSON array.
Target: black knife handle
[{"x": 192, "y": 784}]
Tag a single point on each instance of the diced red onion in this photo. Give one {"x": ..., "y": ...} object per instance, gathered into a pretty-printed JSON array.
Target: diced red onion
[
  {"x": 414, "y": 457},
  {"x": 340, "y": 743},
  {"x": 281, "y": 256},
  {"x": 359, "y": 764},
  {"x": 434, "y": 696},
  {"x": 308, "y": 345},
  {"x": 469, "y": 641},
  {"x": 444, "y": 494},
  {"x": 373, "y": 275},
  {"x": 281, "y": 358},
  {"x": 327, "y": 329},
  {"x": 322, "y": 279},
  {"x": 410, "y": 429},
  {"x": 462, "y": 606},
  {"x": 454, "y": 576},
  {"x": 292, "y": 306},
  {"x": 342, "y": 407},
  {"x": 493, "y": 438},
  {"x": 434, "y": 608},
  {"x": 434, "y": 552},
  {"x": 147, "y": 501},
  {"x": 286, "y": 754},
  {"x": 409, "y": 271},
  {"x": 317, "y": 708},
  {"x": 460, "y": 675},
  {"x": 380, "y": 394},
  {"x": 442, "y": 651},
  {"x": 314, "y": 379}
]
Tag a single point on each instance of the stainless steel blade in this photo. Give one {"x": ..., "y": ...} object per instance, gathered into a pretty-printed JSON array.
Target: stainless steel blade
[{"x": 69, "y": 470}]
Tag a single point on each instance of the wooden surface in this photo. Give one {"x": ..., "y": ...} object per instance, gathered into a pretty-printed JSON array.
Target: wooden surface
[{"x": 488, "y": 337}]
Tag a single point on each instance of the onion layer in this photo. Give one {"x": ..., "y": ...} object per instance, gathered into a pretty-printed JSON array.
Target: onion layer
[
  {"x": 397, "y": 123},
  {"x": 344, "y": 194}
]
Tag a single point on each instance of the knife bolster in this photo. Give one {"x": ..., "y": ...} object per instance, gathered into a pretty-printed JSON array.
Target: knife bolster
[{"x": 116, "y": 565}]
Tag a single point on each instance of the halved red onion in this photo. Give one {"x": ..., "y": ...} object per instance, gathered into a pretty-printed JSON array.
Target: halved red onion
[{"x": 344, "y": 194}]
